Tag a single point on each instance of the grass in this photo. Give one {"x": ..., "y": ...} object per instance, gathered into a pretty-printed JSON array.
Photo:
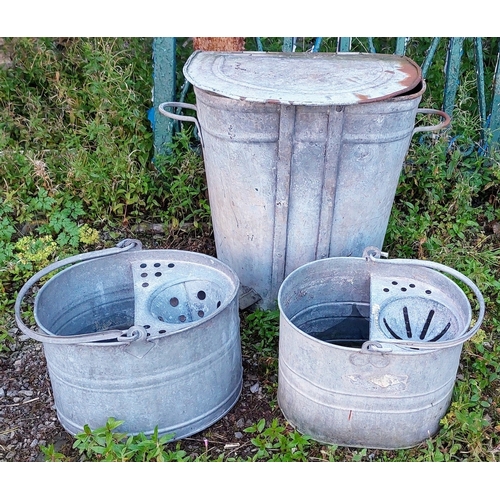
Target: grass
[{"x": 77, "y": 174}]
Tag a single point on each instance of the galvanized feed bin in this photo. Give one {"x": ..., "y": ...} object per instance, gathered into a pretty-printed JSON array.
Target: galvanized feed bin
[
  {"x": 149, "y": 337},
  {"x": 302, "y": 153},
  {"x": 369, "y": 348}
]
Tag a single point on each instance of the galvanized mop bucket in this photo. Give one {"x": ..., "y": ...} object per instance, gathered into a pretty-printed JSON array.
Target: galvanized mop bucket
[
  {"x": 369, "y": 348},
  {"x": 302, "y": 153},
  {"x": 149, "y": 337}
]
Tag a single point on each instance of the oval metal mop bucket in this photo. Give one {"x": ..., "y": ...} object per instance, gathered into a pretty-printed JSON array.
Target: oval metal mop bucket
[
  {"x": 302, "y": 152},
  {"x": 369, "y": 349},
  {"x": 150, "y": 337}
]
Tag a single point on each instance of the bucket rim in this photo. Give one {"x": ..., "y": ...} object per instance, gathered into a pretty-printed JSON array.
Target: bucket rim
[
  {"x": 118, "y": 337},
  {"x": 378, "y": 345}
]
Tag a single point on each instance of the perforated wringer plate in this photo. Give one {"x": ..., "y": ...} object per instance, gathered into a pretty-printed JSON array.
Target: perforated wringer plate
[
  {"x": 413, "y": 308},
  {"x": 170, "y": 293}
]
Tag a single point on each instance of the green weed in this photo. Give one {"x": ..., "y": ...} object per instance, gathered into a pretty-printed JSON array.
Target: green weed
[
  {"x": 74, "y": 121},
  {"x": 105, "y": 444},
  {"x": 185, "y": 198},
  {"x": 51, "y": 455},
  {"x": 260, "y": 331},
  {"x": 278, "y": 443},
  {"x": 5, "y": 340}
]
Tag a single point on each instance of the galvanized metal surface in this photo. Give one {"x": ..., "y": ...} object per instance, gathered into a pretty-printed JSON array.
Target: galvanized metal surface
[
  {"x": 337, "y": 382},
  {"x": 176, "y": 360},
  {"x": 312, "y": 79},
  {"x": 292, "y": 184}
]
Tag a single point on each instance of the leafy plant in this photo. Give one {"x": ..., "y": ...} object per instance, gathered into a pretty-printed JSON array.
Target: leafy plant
[
  {"x": 185, "y": 199},
  {"x": 94, "y": 94},
  {"x": 278, "y": 443},
  {"x": 259, "y": 337},
  {"x": 260, "y": 331},
  {"x": 5, "y": 339},
  {"x": 51, "y": 455},
  {"x": 105, "y": 444}
]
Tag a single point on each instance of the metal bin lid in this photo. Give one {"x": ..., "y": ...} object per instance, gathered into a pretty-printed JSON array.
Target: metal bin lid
[{"x": 316, "y": 79}]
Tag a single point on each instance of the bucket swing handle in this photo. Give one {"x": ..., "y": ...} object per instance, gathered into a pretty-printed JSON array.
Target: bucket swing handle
[
  {"x": 122, "y": 246},
  {"x": 452, "y": 272},
  {"x": 184, "y": 118},
  {"x": 431, "y": 128}
]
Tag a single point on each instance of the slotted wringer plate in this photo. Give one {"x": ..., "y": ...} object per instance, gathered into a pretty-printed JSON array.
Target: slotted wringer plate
[
  {"x": 171, "y": 293},
  {"x": 417, "y": 308}
]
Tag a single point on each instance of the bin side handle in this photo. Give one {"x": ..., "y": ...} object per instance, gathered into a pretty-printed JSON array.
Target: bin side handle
[
  {"x": 175, "y": 116},
  {"x": 432, "y": 128}
]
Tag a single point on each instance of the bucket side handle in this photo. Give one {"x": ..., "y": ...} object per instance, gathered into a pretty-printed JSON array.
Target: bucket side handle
[
  {"x": 184, "y": 118},
  {"x": 452, "y": 272},
  {"x": 122, "y": 246},
  {"x": 431, "y": 128}
]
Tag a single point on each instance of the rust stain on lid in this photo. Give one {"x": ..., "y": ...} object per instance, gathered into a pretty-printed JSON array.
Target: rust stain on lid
[{"x": 362, "y": 97}]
